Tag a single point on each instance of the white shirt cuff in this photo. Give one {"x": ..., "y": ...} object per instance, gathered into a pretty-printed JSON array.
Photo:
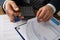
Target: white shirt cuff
[
  {"x": 52, "y": 6},
  {"x": 4, "y": 4}
]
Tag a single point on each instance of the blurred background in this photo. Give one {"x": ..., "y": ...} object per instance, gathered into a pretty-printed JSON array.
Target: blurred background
[
  {"x": 1, "y": 2},
  {"x": 1, "y": 7}
]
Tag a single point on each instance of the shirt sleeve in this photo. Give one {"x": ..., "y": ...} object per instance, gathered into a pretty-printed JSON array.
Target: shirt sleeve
[{"x": 52, "y": 6}]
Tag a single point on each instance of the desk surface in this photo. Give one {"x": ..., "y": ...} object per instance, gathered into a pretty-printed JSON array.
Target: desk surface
[{"x": 1, "y": 11}]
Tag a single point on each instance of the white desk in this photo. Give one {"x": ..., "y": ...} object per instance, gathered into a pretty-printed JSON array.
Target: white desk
[{"x": 7, "y": 31}]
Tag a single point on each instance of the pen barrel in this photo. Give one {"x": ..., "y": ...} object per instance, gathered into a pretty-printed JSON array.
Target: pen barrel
[{"x": 16, "y": 19}]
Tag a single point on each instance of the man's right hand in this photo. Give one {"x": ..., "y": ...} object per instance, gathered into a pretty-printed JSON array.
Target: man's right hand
[{"x": 12, "y": 10}]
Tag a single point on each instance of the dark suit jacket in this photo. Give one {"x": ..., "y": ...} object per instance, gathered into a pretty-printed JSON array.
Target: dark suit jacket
[{"x": 36, "y": 4}]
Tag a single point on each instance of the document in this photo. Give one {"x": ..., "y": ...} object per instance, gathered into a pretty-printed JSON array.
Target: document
[
  {"x": 43, "y": 30},
  {"x": 40, "y": 30}
]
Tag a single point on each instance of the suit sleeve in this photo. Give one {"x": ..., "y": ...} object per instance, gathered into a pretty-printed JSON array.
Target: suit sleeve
[
  {"x": 38, "y": 3},
  {"x": 20, "y": 2},
  {"x": 56, "y": 4}
]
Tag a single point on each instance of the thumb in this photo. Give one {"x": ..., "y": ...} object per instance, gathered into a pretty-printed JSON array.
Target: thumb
[
  {"x": 14, "y": 6},
  {"x": 38, "y": 12}
]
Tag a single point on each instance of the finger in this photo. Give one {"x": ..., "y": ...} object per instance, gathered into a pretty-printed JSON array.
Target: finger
[
  {"x": 42, "y": 19},
  {"x": 42, "y": 14},
  {"x": 21, "y": 17},
  {"x": 9, "y": 9},
  {"x": 45, "y": 16},
  {"x": 17, "y": 14},
  {"x": 7, "y": 13},
  {"x": 14, "y": 6},
  {"x": 38, "y": 20},
  {"x": 10, "y": 12},
  {"x": 48, "y": 18},
  {"x": 39, "y": 11},
  {"x": 11, "y": 18}
]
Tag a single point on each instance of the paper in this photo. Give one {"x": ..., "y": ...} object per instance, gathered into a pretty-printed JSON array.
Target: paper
[
  {"x": 33, "y": 30},
  {"x": 7, "y": 31},
  {"x": 40, "y": 31},
  {"x": 43, "y": 30}
]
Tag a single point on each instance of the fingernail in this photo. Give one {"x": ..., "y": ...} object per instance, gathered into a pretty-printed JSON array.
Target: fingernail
[{"x": 16, "y": 8}]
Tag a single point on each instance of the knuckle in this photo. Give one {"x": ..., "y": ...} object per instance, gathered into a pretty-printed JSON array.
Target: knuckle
[
  {"x": 8, "y": 2},
  {"x": 11, "y": 13},
  {"x": 45, "y": 10},
  {"x": 11, "y": 2}
]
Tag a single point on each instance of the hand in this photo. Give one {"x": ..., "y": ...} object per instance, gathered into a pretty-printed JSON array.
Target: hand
[
  {"x": 12, "y": 10},
  {"x": 44, "y": 14}
]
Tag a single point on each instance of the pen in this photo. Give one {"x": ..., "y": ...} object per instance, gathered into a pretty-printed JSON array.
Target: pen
[{"x": 16, "y": 19}]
